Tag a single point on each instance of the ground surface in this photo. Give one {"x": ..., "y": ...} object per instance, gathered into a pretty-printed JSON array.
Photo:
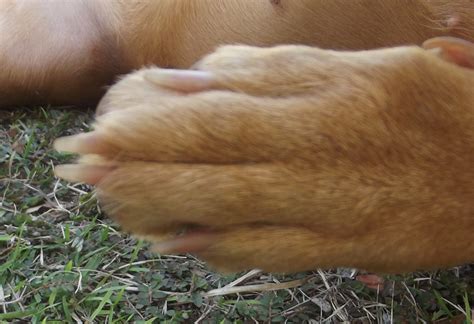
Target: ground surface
[{"x": 62, "y": 260}]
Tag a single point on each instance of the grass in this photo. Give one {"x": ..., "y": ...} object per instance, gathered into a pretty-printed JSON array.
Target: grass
[{"x": 61, "y": 260}]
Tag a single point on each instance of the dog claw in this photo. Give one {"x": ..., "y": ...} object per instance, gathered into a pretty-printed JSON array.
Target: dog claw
[
  {"x": 454, "y": 50},
  {"x": 181, "y": 80},
  {"x": 90, "y": 174},
  {"x": 87, "y": 143},
  {"x": 187, "y": 243}
]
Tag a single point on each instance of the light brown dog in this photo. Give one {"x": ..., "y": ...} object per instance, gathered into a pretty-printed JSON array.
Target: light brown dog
[
  {"x": 64, "y": 52},
  {"x": 287, "y": 158}
]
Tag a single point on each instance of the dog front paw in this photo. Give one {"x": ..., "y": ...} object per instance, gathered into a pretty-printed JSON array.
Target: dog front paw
[{"x": 339, "y": 152}]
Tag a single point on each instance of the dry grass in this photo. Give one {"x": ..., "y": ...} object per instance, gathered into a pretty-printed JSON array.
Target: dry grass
[{"x": 61, "y": 260}]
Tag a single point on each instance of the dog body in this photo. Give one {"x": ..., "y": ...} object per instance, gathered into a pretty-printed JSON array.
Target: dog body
[
  {"x": 64, "y": 53},
  {"x": 286, "y": 158}
]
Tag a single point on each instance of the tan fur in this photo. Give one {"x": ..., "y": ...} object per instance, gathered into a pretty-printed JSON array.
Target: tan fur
[
  {"x": 359, "y": 159},
  {"x": 65, "y": 52},
  {"x": 300, "y": 157}
]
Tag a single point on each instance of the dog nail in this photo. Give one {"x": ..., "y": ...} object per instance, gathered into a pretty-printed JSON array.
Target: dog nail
[
  {"x": 436, "y": 51},
  {"x": 74, "y": 143},
  {"x": 181, "y": 80},
  {"x": 87, "y": 143},
  {"x": 166, "y": 247},
  {"x": 453, "y": 50},
  {"x": 188, "y": 243},
  {"x": 79, "y": 173}
]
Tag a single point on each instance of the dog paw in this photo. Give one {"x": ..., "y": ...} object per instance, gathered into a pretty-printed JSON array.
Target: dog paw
[{"x": 289, "y": 158}]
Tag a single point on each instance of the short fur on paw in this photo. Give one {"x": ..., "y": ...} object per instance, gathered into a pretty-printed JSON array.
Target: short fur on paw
[{"x": 291, "y": 158}]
